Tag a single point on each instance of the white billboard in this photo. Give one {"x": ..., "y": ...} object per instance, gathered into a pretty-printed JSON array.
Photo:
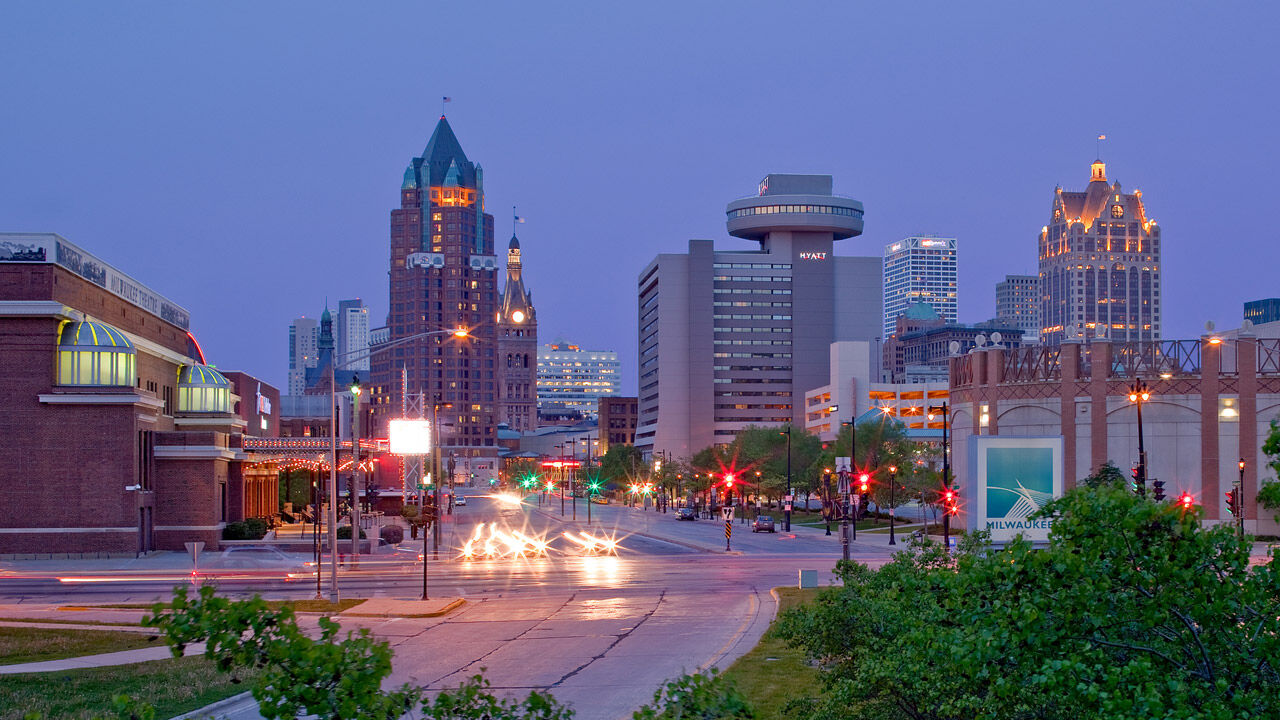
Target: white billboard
[
  {"x": 1012, "y": 478},
  {"x": 410, "y": 437}
]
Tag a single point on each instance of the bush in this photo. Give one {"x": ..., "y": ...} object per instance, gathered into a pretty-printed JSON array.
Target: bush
[
  {"x": 344, "y": 533},
  {"x": 257, "y": 528},
  {"x": 409, "y": 512},
  {"x": 393, "y": 534},
  {"x": 235, "y": 531}
]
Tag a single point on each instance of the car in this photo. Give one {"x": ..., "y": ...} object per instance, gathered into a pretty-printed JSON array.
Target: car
[
  {"x": 260, "y": 557},
  {"x": 686, "y": 513},
  {"x": 762, "y": 523},
  {"x": 461, "y": 501}
]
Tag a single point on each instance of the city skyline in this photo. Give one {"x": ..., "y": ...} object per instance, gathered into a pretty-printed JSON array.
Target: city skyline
[{"x": 241, "y": 121}]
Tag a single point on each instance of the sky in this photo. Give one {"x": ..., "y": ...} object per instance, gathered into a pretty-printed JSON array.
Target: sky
[{"x": 243, "y": 158}]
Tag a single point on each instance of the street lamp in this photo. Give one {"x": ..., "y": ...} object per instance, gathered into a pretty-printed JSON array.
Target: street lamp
[
  {"x": 946, "y": 472},
  {"x": 1240, "y": 501},
  {"x": 336, "y": 360},
  {"x": 849, "y": 533},
  {"x": 1138, "y": 394},
  {"x": 786, "y": 512},
  {"x": 893, "y": 481},
  {"x": 355, "y": 469}
]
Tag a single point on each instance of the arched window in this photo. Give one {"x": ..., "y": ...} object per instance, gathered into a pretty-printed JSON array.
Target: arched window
[
  {"x": 201, "y": 389},
  {"x": 94, "y": 354}
]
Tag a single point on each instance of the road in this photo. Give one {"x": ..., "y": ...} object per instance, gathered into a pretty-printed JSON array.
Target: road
[{"x": 600, "y": 631}]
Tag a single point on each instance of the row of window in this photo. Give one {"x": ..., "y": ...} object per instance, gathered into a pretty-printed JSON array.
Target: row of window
[
  {"x": 751, "y": 291},
  {"x": 752, "y": 278},
  {"x": 751, "y": 266},
  {"x": 776, "y": 209}
]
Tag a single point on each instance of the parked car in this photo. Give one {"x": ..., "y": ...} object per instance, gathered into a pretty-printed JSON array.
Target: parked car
[
  {"x": 686, "y": 513},
  {"x": 461, "y": 501},
  {"x": 762, "y": 523}
]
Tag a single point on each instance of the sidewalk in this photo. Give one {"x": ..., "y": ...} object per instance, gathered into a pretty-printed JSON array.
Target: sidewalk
[{"x": 376, "y": 607}]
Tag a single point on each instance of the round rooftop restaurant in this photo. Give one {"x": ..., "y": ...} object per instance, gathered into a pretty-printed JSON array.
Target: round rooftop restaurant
[
  {"x": 795, "y": 203},
  {"x": 202, "y": 389},
  {"x": 93, "y": 354}
]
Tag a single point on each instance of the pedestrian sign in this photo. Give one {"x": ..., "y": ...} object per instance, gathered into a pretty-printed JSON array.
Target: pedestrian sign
[
  {"x": 726, "y": 513},
  {"x": 843, "y": 464}
]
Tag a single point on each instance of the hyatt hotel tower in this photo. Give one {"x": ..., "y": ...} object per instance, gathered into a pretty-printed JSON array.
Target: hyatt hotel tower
[
  {"x": 443, "y": 276},
  {"x": 729, "y": 338}
]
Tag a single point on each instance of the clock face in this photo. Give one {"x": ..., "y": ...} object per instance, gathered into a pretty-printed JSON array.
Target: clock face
[
  {"x": 1117, "y": 211},
  {"x": 518, "y": 316}
]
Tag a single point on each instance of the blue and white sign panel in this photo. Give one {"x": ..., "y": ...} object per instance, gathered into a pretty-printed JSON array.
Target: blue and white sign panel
[{"x": 1013, "y": 477}]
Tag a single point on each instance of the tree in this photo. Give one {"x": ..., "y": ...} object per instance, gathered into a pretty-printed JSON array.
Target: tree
[
  {"x": 1133, "y": 610},
  {"x": 1106, "y": 474},
  {"x": 1269, "y": 493},
  {"x": 519, "y": 470},
  {"x": 621, "y": 465}
]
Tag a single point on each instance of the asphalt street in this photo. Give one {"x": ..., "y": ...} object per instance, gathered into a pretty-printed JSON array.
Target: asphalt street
[{"x": 601, "y": 630}]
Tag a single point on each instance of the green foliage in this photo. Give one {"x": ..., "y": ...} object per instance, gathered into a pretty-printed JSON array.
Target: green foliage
[
  {"x": 1269, "y": 493},
  {"x": 1132, "y": 611},
  {"x": 393, "y": 534},
  {"x": 251, "y": 529},
  {"x": 1107, "y": 474},
  {"x": 344, "y": 533},
  {"x": 696, "y": 697},
  {"x": 622, "y": 465},
  {"x": 473, "y": 701}
]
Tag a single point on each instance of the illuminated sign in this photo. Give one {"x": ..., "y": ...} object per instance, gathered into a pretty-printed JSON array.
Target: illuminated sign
[
  {"x": 813, "y": 256},
  {"x": 933, "y": 243},
  {"x": 264, "y": 402},
  {"x": 410, "y": 437},
  {"x": 48, "y": 247},
  {"x": 1013, "y": 478},
  {"x": 561, "y": 464}
]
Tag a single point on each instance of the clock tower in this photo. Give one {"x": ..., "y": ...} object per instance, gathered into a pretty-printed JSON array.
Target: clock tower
[{"x": 516, "y": 322}]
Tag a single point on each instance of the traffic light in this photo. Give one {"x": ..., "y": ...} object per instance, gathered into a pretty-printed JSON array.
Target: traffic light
[
  {"x": 728, "y": 480},
  {"x": 1135, "y": 484},
  {"x": 864, "y": 481},
  {"x": 1232, "y": 498},
  {"x": 1186, "y": 501},
  {"x": 949, "y": 501},
  {"x": 1157, "y": 489}
]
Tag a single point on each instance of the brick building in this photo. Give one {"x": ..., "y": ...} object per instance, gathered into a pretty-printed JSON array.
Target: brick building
[
  {"x": 618, "y": 417},
  {"x": 120, "y": 437}
]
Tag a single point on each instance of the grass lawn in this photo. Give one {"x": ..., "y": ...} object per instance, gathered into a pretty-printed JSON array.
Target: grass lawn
[
  {"x": 773, "y": 672},
  {"x": 309, "y": 605},
  {"x": 27, "y": 644},
  {"x": 172, "y": 686}
]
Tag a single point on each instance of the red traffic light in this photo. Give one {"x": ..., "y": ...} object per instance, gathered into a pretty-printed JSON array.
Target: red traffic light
[
  {"x": 728, "y": 479},
  {"x": 1186, "y": 500},
  {"x": 1231, "y": 503}
]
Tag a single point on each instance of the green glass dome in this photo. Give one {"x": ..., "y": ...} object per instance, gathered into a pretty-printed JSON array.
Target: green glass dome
[
  {"x": 94, "y": 354},
  {"x": 202, "y": 389}
]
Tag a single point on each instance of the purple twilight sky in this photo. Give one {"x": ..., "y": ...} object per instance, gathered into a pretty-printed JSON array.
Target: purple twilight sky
[{"x": 243, "y": 158}]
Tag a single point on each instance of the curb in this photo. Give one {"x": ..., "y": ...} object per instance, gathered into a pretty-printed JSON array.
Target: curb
[
  {"x": 212, "y": 709},
  {"x": 458, "y": 602}
]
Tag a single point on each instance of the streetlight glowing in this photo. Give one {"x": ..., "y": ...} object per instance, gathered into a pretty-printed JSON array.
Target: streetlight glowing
[{"x": 461, "y": 332}]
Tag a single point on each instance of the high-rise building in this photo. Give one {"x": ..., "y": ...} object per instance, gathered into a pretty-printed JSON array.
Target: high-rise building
[
  {"x": 731, "y": 338},
  {"x": 443, "y": 276},
  {"x": 572, "y": 380},
  {"x": 353, "y": 334},
  {"x": 517, "y": 326},
  {"x": 1262, "y": 311},
  {"x": 303, "y": 333},
  {"x": 1018, "y": 301},
  {"x": 919, "y": 269},
  {"x": 1099, "y": 265}
]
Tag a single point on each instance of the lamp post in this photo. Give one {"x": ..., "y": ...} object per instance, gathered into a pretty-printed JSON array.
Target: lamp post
[
  {"x": 1240, "y": 501},
  {"x": 786, "y": 512},
  {"x": 893, "y": 481},
  {"x": 849, "y": 533},
  {"x": 1138, "y": 394},
  {"x": 333, "y": 437},
  {"x": 946, "y": 472},
  {"x": 355, "y": 469}
]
